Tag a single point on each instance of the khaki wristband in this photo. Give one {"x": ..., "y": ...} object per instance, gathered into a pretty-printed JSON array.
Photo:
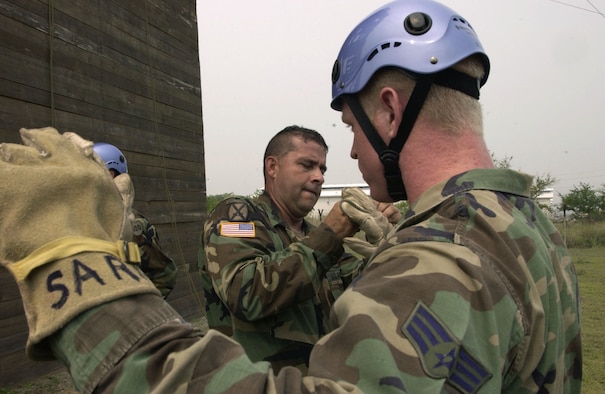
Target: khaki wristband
[
  {"x": 69, "y": 246},
  {"x": 71, "y": 275}
]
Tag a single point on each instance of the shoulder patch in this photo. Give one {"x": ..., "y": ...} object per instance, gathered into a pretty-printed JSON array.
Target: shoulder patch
[
  {"x": 138, "y": 226},
  {"x": 440, "y": 352},
  {"x": 238, "y": 229},
  {"x": 238, "y": 212}
]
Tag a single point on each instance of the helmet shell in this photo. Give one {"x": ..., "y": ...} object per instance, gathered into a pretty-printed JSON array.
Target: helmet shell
[
  {"x": 390, "y": 37},
  {"x": 113, "y": 157}
]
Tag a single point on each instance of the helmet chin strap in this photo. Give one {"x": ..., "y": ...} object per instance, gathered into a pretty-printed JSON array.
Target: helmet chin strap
[{"x": 389, "y": 155}]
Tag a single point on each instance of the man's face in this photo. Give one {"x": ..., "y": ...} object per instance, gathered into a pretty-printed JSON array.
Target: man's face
[
  {"x": 298, "y": 176},
  {"x": 368, "y": 162}
]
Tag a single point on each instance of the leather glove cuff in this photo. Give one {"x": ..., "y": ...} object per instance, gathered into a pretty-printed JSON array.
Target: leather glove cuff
[
  {"x": 361, "y": 247},
  {"x": 70, "y": 275},
  {"x": 360, "y": 209}
]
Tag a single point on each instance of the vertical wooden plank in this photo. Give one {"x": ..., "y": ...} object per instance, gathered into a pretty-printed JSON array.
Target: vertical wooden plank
[{"x": 111, "y": 72}]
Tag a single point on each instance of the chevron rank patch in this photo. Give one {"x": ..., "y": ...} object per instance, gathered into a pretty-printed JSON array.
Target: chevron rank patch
[
  {"x": 440, "y": 352},
  {"x": 238, "y": 229}
]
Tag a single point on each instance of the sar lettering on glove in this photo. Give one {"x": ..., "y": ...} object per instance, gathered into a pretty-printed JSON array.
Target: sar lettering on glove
[{"x": 61, "y": 223}]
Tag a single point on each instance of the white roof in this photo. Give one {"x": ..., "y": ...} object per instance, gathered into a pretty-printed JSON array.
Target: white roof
[{"x": 336, "y": 189}]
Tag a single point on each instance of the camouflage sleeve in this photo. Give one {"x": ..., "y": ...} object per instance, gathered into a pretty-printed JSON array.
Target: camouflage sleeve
[
  {"x": 217, "y": 314},
  {"x": 425, "y": 342},
  {"x": 158, "y": 266},
  {"x": 423, "y": 317},
  {"x": 411, "y": 323},
  {"x": 139, "y": 344},
  {"x": 259, "y": 273},
  {"x": 437, "y": 317}
]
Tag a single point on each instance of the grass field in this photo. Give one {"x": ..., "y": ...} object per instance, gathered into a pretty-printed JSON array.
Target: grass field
[{"x": 590, "y": 266}]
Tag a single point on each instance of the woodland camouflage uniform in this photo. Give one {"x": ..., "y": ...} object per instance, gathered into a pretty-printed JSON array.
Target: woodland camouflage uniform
[
  {"x": 473, "y": 292},
  {"x": 158, "y": 267},
  {"x": 273, "y": 282}
]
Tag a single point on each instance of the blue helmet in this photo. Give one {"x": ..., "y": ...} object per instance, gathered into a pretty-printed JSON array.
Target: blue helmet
[
  {"x": 112, "y": 156},
  {"x": 425, "y": 39},
  {"x": 419, "y": 36}
]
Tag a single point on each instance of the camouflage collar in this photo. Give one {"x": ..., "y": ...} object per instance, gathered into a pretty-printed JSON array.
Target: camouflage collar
[
  {"x": 498, "y": 180},
  {"x": 274, "y": 217}
]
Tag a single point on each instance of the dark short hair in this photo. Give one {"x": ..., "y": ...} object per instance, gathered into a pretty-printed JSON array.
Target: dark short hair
[{"x": 282, "y": 143}]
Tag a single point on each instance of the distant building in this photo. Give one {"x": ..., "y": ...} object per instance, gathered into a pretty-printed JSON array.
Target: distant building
[
  {"x": 546, "y": 200},
  {"x": 547, "y": 197},
  {"x": 331, "y": 194}
]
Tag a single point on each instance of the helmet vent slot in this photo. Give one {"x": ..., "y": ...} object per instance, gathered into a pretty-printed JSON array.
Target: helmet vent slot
[
  {"x": 462, "y": 21},
  {"x": 382, "y": 47}
]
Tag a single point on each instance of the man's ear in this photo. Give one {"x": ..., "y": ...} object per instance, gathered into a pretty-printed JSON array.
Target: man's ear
[
  {"x": 392, "y": 108},
  {"x": 271, "y": 166}
]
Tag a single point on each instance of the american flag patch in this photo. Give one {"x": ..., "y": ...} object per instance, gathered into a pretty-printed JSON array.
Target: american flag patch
[{"x": 238, "y": 229}]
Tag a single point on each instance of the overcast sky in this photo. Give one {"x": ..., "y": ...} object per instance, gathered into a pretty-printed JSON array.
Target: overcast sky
[{"x": 266, "y": 64}]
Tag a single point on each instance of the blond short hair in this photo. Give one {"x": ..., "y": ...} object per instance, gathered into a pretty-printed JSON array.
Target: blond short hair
[{"x": 450, "y": 109}]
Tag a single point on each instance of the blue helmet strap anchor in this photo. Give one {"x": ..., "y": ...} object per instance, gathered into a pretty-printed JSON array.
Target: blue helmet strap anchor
[{"x": 389, "y": 155}]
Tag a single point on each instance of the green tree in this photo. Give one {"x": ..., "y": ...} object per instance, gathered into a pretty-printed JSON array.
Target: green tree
[
  {"x": 501, "y": 163},
  {"x": 585, "y": 201},
  {"x": 539, "y": 184},
  {"x": 256, "y": 194},
  {"x": 213, "y": 200}
]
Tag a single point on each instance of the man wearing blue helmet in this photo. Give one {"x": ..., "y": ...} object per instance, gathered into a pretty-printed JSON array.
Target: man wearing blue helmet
[
  {"x": 113, "y": 157},
  {"x": 155, "y": 263},
  {"x": 488, "y": 295},
  {"x": 472, "y": 292}
]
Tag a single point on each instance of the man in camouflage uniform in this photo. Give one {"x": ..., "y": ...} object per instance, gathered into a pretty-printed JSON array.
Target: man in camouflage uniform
[
  {"x": 276, "y": 274},
  {"x": 473, "y": 292},
  {"x": 158, "y": 267}
]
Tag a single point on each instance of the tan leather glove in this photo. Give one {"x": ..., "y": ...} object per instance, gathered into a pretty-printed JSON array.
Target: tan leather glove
[
  {"x": 61, "y": 217},
  {"x": 360, "y": 247},
  {"x": 126, "y": 189},
  {"x": 361, "y": 210}
]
